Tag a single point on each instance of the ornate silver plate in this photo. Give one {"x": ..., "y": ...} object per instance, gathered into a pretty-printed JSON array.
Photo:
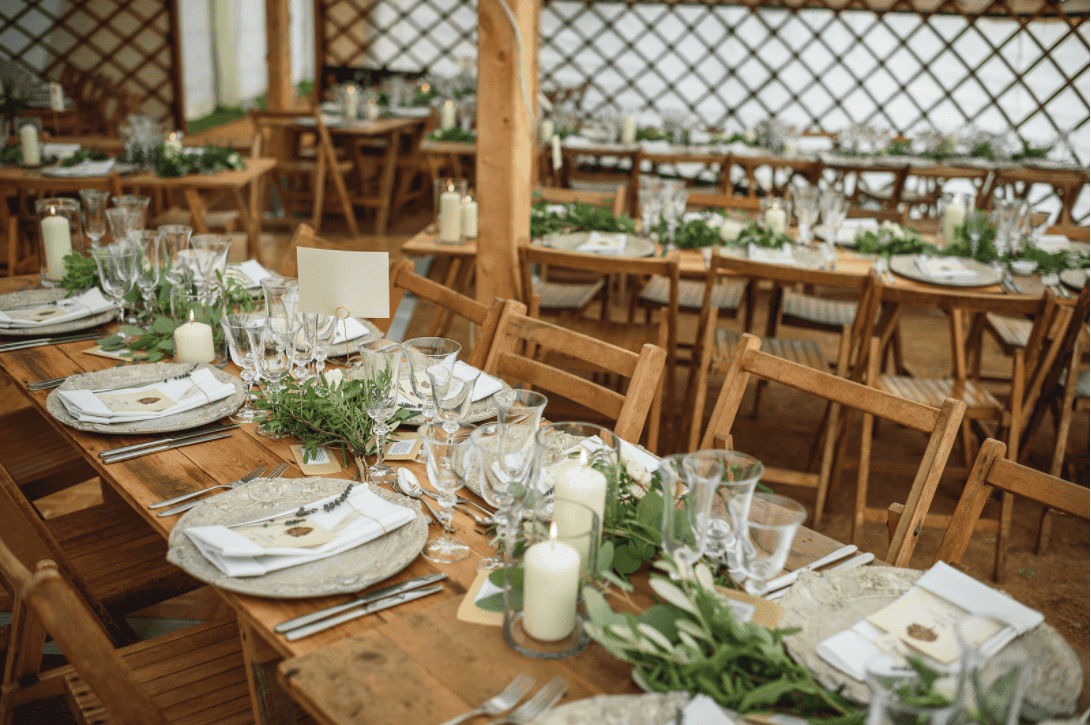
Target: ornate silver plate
[
  {"x": 906, "y": 266},
  {"x": 141, "y": 375},
  {"x": 634, "y": 246},
  {"x": 655, "y": 707},
  {"x": 349, "y": 571},
  {"x": 1074, "y": 278},
  {"x": 824, "y": 604},
  {"x": 15, "y": 300}
]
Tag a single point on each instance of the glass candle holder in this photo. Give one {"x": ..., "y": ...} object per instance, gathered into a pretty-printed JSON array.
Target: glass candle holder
[
  {"x": 60, "y": 233},
  {"x": 775, "y": 212},
  {"x": 570, "y": 456},
  {"x": 450, "y": 192},
  {"x": 953, "y": 209},
  {"x": 562, "y": 548}
]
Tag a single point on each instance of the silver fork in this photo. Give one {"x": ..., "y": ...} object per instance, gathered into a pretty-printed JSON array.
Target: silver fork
[
  {"x": 503, "y": 702},
  {"x": 460, "y": 503},
  {"x": 186, "y": 496},
  {"x": 1053, "y": 281},
  {"x": 544, "y": 699},
  {"x": 193, "y": 504}
]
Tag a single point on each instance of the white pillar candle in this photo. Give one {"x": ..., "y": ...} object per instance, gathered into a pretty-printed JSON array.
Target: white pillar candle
[
  {"x": 351, "y": 101},
  {"x": 791, "y": 148},
  {"x": 574, "y": 480},
  {"x": 730, "y": 229},
  {"x": 556, "y": 143},
  {"x": 57, "y": 243},
  {"x": 547, "y": 130},
  {"x": 193, "y": 342},
  {"x": 447, "y": 118},
  {"x": 954, "y": 214},
  {"x": 450, "y": 216},
  {"x": 628, "y": 129},
  {"x": 32, "y": 154},
  {"x": 775, "y": 219},
  {"x": 372, "y": 109},
  {"x": 550, "y": 589},
  {"x": 174, "y": 141},
  {"x": 469, "y": 218}
]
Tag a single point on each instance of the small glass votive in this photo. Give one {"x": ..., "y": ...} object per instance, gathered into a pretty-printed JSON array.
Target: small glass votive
[
  {"x": 468, "y": 217},
  {"x": 560, "y": 558},
  {"x": 774, "y": 213},
  {"x": 60, "y": 233},
  {"x": 447, "y": 200},
  {"x": 952, "y": 213}
]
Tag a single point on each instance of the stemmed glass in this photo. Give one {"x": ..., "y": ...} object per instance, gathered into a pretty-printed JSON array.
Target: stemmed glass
[
  {"x": 146, "y": 266},
  {"x": 380, "y": 363},
  {"x": 424, "y": 353},
  {"x": 94, "y": 213},
  {"x": 735, "y": 475},
  {"x": 115, "y": 271},
  {"x": 236, "y": 329},
  {"x": 519, "y": 412},
  {"x": 833, "y": 206},
  {"x": 687, "y": 503},
  {"x": 324, "y": 333},
  {"x": 506, "y": 467},
  {"x": 137, "y": 206},
  {"x": 452, "y": 392},
  {"x": 174, "y": 239},
  {"x": 805, "y": 204},
  {"x": 121, "y": 223},
  {"x": 440, "y": 446},
  {"x": 207, "y": 255},
  {"x": 279, "y": 295},
  {"x": 765, "y": 537},
  {"x": 270, "y": 346}
]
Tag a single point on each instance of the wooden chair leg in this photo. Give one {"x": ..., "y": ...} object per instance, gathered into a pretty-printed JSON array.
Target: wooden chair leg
[{"x": 1007, "y": 504}]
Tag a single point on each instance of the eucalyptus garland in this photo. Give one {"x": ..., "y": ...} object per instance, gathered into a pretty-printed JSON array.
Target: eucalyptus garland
[
  {"x": 576, "y": 217},
  {"x": 168, "y": 161},
  {"x": 454, "y": 134}
]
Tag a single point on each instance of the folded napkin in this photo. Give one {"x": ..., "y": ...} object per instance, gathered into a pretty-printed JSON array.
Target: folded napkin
[
  {"x": 349, "y": 329},
  {"x": 943, "y": 268},
  {"x": 84, "y": 168},
  {"x": 59, "y": 150},
  {"x": 598, "y": 243},
  {"x": 1053, "y": 243},
  {"x": 850, "y": 649},
  {"x": 846, "y": 233},
  {"x": 363, "y": 517},
  {"x": 250, "y": 273},
  {"x": 660, "y": 146},
  {"x": 771, "y": 256},
  {"x": 703, "y": 710},
  {"x": 135, "y": 403},
  {"x": 485, "y": 386},
  {"x": 89, "y": 303}
]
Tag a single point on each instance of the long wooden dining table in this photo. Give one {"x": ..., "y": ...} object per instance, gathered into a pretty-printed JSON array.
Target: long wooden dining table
[{"x": 412, "y": 663}]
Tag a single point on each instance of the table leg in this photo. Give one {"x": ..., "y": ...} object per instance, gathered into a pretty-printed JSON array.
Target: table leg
[
  {"x": 197, "y": 209},
  {"x": 271, "y": 704},
  {"x": 386, "y": 186}
]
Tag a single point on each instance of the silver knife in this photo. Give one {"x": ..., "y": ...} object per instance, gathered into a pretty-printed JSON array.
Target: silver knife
[
  {"x": 366, "y": 599},
  {"x": 12, "y": 346},
  {"x": 393, "y": 601},
  {"x": 186, "y": 374},
  {"x": 148, "y": 444},
  {"x": 782, "y": 581},
  {"x": 164, "y": 447}
]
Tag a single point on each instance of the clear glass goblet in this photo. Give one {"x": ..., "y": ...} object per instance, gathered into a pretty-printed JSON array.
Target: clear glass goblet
[
  {"x": 765, "y": 537},
  {"x": 174, "y": 238},
  {"x": 805, "y": 205},
  {"x": 273, "y": 361},
  {"x": 146, "y": 267},
  {"x": 833, "y": 206},
  {"x": 207, "y": 256},
  {"x": 94, "y": 213},
  {"x": 236, "y": 329},
  {"x": 452, "y": 392},
  {"x": 115, "y": 270},
  {"x": 278, "y": 292},
  {"x": 424, "y": 353},
  {"x": 735, "y": 475},
  {"x": 519, "y": 412},
  {"x": 440, "y": 446},
  {"x": 137, "y": 206},
  {"x": 687, "y": 502},
  {"x": 324, "y": 333},
  {"x": 506, "y": 470},
  {"x": 380, "y": 366}
]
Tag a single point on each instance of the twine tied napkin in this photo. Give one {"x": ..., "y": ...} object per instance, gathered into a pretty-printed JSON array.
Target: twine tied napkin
[
  {"x": 146, "y": 402},
  {"x": 599, "y": 243},
  {"x": 251, "y": 550},
  {"x": 943, "y": 268},
  {"x": 92, "y": 302}
]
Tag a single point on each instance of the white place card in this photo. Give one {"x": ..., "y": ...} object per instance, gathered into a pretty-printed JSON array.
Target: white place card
[{"x": 332, "y": 281}]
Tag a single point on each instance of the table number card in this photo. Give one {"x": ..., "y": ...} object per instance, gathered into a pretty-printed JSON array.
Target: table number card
[
  {"x": 352, "y": 284},
  {"x": 322, "y": 464}
]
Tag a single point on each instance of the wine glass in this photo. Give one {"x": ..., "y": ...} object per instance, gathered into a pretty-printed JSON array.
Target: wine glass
[
  {"x": 380, "y": 363},
  {"x": 505, "y": 468},
  {"x": 146, "y": 266},
  {"x": 236, "y": 329},
  {"x": 805, "y": 204},
  {"x": 115, "y": 271},
  {"x": 735, "y": 475},
  {"x": 833, "y": 206},
  {"x": 324, "y": 333},
  {"x": 173, "y": 240},
  {"x": 120, "y": 222},
  {"x": 279, "y": 300},
  {"x": 94, "y": 213},
  {"x": 273, "y": 361},
  {"x": 452, "y": 392},
  {"x": 519, "y": 413},
  {"x": 424, "y": 353},
  {"x": 207, "y": 256},
  {"x": 687, "y": 502},
  {"x": 137, "y": 206},
  {"x": 440, "y": 446},
  {"x": 765, "y": 536}
]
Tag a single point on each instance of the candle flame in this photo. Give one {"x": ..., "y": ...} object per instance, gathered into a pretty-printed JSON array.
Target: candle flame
[
  {"x": 424, "y": 88},
  {"x": 350, "y": 89},
  {"x": 467, "y": 199},
  {"x": 450, "y": 185},
  {"x": 585, "y": 457},
  {"x": 448, "y": 104},
  {"x": 52, "y": 211},
  {"x": 191, "y": 317},
  {"x": 553, "y": 535}
]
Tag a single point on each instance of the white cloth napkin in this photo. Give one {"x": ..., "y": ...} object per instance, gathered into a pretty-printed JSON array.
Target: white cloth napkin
[
  {"x": 252, "y": 273},
  {"x": 703, "y": 710},
  {"x": 943, "y": 268},
  {"x": 89, "y": 408},
  {"x": 485, "y": 386},
  {"x": 84, "y": 168},
  {"x": 1053, "y": 243},
  {"x": 59, "y": 150},
  {"x": 771, "y": 256},
  {"x": 348, "y": 329},
  {"x": 237, "y": 556},
  {"x": 850, "y": 649},
  {"x": 91, "y": 302},
  {"x": 598, "y": 243}
]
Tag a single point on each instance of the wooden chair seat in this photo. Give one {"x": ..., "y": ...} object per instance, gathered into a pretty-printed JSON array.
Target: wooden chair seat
[
  {"x": 195, "y": 676},
  {"x": 801, "y": 352},
  {"x": 563, "y": 296},
  {"x": 932, "y": 391},
  {"x": 817, "y": 310},
  {"x": 726, "y": 295},
  {"x": 1013, "y": 332}
]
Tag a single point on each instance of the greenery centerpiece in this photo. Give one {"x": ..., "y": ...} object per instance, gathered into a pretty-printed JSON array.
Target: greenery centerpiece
[
  {"x": 169, "y": 161},
  {"x": 576, "y": 217}
]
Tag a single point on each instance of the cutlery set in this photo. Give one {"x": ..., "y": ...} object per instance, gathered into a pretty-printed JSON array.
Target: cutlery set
[
  {"x": 193, "y": 504},
  {"x": 542, "y": 700},
  {"x": 42, "y": 341},
  {"x": 782, "y": 585}
]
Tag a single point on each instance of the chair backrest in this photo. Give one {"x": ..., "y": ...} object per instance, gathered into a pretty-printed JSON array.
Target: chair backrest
[
  {"x": 48, "y": 600},
  {"x": 941, "y": 424},
  {"x": 992, "y": 470},
  {"x": 612, "y": 200},
  {"x": 628, "y": 410},
  {"x": 707, "y": 200}
]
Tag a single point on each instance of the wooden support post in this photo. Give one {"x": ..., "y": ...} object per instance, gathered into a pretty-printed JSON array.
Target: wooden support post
[
  {"x": 277, "y": 28},
  {"x": 504, "y": 141}
]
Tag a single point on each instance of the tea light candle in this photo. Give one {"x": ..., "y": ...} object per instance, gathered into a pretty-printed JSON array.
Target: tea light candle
[
  {"x": 628, "y": 129},
  {"x": 351, "y": 101},
  {"x": 447, "y": 118},
  {"x": 193, "y": 342},
  {"x": 57, "y": 243},
  {"x": 450, "y": 215},
  {"x": 372, "y": 109},
  {"x": 547, "y": 129},
  {"x": 556, "y": 143},
  {"x": 32, "y": 153},
  {"x": 469, "y": 218},
  {"x": 550, "y": 588},
  {"x": 775, "y": 218},
  {"x": 954, "y": 214}
]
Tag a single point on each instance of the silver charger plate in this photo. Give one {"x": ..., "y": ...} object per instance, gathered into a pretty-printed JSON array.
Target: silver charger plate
[
  {"x": 15, "y": 300},
  {"x": 655, "y": 707},
  {"x": 906, "y": 266},
  {"x": 411, "y": 111},
  {"x": 349, "y": 571},
  {"x": 635, "y": 246},
  {"x": 823, "y": 604},
  {"x": 1074, "y": 278},
  {"x": 142, "y": 375}
]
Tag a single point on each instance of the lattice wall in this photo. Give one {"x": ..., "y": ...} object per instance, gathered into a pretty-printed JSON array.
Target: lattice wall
[{"x": 132, "y": 42}]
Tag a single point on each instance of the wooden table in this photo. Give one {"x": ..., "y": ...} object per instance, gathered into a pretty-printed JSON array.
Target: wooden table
[
  {"x": 444, "y": 666},
  {"x": 457, "y": 156}
]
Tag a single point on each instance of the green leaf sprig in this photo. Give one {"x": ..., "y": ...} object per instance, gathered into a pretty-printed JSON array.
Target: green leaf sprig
[
  {"x": 82, "y": 155},
  {"x": 576, "y": 217},
  {"x": 761, "y": 236},
  {"x": 80, "y": 273},
  {"x": 454, "y": 134},
  {"x": 169, "y": 162},
  {"x": 892, "y": 239}
]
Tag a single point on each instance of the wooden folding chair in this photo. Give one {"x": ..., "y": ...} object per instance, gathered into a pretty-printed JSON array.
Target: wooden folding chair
[
  {"x": 193, "y": 675},
  {"x": 614, "y": 201},
  {"x": 941, "y": 424},
  {"x": 514, "y": 356},
  {"x": 991, "y": 472}
]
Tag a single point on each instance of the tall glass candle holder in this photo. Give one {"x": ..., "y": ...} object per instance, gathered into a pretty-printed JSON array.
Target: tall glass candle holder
[
  {"x": 60, "y": 233},
  {"x": 453, "y": 191}
]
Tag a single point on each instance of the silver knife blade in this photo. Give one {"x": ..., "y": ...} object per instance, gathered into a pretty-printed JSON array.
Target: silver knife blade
[
  {"x": 170, "y": 439},
  {"x": 361, "y": 601},
  {"x": 381, "y": 604},
  {"x": 782, "y": 581},
  {"x": 12, "y": 346},
  {"x": 164, "y": 447}
]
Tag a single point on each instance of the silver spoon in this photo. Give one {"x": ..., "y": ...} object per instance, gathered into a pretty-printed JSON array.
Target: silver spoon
[{"x": 408, "y": 485}]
